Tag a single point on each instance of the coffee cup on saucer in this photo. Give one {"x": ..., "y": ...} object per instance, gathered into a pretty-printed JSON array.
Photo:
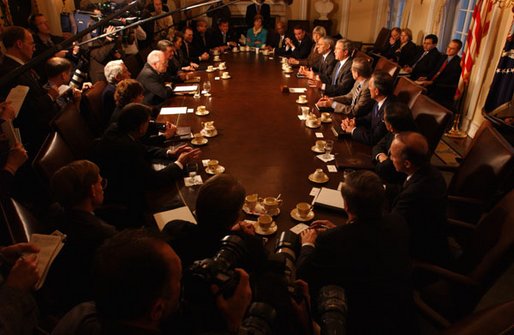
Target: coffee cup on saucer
[
  {"x": 265, "y": 221},
  {"x": 284, "y": 60},
  {"x": 242, "y": 48},
  {"x": 225, "y": 75},
  {"x": 222, "y": 66},
  {"x": 210, "y": 68},
  {"x": 213, "y": 164},
  {"x": 303, "y": 209},
  {"x": 201, "y": 109},
  {"x": 325, "y": 116},
  {"x": 251, "y": 201},
  {"x": 235, "y": 49},
  {"x": 302, "y": 99},
  {"x": 208, "y": 128},
  {"x": 198, "y": 138},
  {"x": 247, "y": 48},
  {"x": 319, "y": 176},
  {"x": 217, "y": 58},
  {"x": 265, "y": 52},
  {"x": 271, "y": 204},
  {"x": 216, "y": 52},
  {"x": 320, "y": 145}
]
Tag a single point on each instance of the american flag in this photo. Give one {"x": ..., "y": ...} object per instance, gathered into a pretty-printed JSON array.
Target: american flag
[{"x": 478, "y": 28}]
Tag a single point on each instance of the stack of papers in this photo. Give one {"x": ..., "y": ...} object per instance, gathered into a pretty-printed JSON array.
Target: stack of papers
[
  {"x": 49, "y": 246},
  {"x": 329, "y": 198},
  {"x": 181, "y": 213},
  {"x": 185, "y": 88},
  {"x": 173, "y": 110},
  {"x": 297, "y": 90}
]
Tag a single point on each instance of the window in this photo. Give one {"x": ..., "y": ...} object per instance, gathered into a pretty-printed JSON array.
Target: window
[
  {"x": 395, "y": 16},
  {"x": 463, "y": 17}
]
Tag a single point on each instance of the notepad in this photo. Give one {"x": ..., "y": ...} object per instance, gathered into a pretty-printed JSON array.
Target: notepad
[
  {"x": 297, "y": 90},
  {"x": 181, "y": 213},
  {"x": 49, "y": 247},
  {"x": 16, "y": 97},
  {"x": 173, "y": 110},
  {"x": 185, "y": 88},
  {"x": 329, "y": 198}
]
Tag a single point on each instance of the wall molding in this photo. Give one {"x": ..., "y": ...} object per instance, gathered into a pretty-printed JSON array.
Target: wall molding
[{"x": 345, "y": 18}]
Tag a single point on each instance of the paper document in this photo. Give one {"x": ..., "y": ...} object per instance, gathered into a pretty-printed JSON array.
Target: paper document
[
  {"x": 330, "y": 198},
  {"x": 181, "y": 213},
  {"x": 12, "y": 134},
  {"x": 173, "y": 110},
  {"x": 49, "y": 247},
  {"x": 16, "y": 97},
  {"x": 185, "y": 88},
  {"x": 297, "y": 90}
]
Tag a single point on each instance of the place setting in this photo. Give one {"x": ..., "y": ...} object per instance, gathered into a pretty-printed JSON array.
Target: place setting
[
  {"x": 327, "y": 155},
  {"x": 254, "y": 205},
  {"x": 319, "y": 177},
  {"x": 213, "y": 167},
  {"x": 201, "y": 111},
  {"x": 319, "y": 146},
  {"x": 326, "y": 117},
  {"x": 211, "y": 68},
  {"x": 265, "y": 225},
  {"x": 302, "y": 212},
  {"x": 199, "y": 139},
  {"x": 312, "y": 121},
  {"x": 225, "y": 75},
  {"x": 208, "y": 129},
  {"x": 222, "y": 66},
  {"x": 302, "y": 99}
]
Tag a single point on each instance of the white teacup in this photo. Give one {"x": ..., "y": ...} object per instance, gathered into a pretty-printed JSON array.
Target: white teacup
[
  {"x": 225, "y": 75},
  {"x": 319, "y": 174},
  {"x": 265, "y": 221},
  {"x": 201, "y": 109},
  {"x": 210, "y": 68},
  {"x": 265, "y": 52},
  {"x": 217, "y": 58},
  {"x": 320, "y": 145},
  {"x": 216, "y": 52},
  {"x": 325, "y": 116},
  {"x": 305, "y": 111},
  {"x": 257, "y": 50},
  {"x": 235, "y": 49},
  {"x": 271, "y": 204},
  {"x": 213, "y": 164},
  {"x": 302, "y": 98},
  {"x": 303, "y": 209},
  {"x": 242, "y": 48},
  {"x": 198, "y": 137},
  {"x": 251, "y": 201},
  {"x": 222, "y": 66}
]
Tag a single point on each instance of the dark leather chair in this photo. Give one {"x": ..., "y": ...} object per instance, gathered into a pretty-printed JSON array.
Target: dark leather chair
[
  {"x": 384, "y": 64},
  {"x": 380, "y": 41},
  {"x": 358, "y": 53},
  {"x": 431, "y": 119},
  {"x": 133, "y": 64},
  {"x": 72, "y": 127},
  {"x": 20, "y": 223},
  {"x": 407, "y": 91},
  {"x": 495, "y": 320},
  {"x": 485, "y": 256},
  {"x": 54, "y": 154},
  {"x": 91, "y": 107}
]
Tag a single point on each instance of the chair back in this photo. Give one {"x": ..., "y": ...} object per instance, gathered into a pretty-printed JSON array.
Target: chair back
[
  {"x": 91, "y": 107},
  {"x": 487, "y": 166},
  {"x": 382, "y": 39},
  {"x": 72, "y": 127},
  {"x": 133, "y": 64},
  {"x": 431, "y": 119},
  {"x": 53, "y": 155},
  {"x": 358, "y": 53},
  {"x": 19, "y": 221},
  {"x": 384, "y": 64},
  {"x": 407, "y": 91}
]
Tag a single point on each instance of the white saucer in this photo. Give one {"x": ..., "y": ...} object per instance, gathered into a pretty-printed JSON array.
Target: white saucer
[
  {"x": 226, "y": 77},
  {"x": 313, "y": 126},
  {"x": 209, "y": 71},
  {"x": 301, "y": 103},
  {"x": 297, "y": 217},
  {"x": 219, "y": 68},
  {"x": 329, "y": 120},
  {"x": 202, "y": 113},
  {"x": 219, "y": 170},
  {"x": 316, "y": 149},
  {"x": 291, "y": 71},
  {"x": 259, "y": 209},
  {"x": 317, "y": 181},
  {"x": 207, "y": 134},
  {"x": 203, "y": 142},
  {"x": 271, "y": 230}
]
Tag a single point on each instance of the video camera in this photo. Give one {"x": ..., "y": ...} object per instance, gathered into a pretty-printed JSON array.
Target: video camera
[
  {"x": 285, "y": 255},
  {"x": 259, "y": 320},
  {"x": 333, "y": 310}
]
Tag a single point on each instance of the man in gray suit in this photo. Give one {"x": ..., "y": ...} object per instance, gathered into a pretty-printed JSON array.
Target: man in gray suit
[
  {"x": 358, "y": 101},
  {"x": 340, "y": 81},
  {"x": 325, "y": 66}
]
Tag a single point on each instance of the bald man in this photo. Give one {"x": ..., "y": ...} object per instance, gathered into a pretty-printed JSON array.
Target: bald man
[
  {"x": 422, "y": 200},
  {"x": 152, "y": 80}
]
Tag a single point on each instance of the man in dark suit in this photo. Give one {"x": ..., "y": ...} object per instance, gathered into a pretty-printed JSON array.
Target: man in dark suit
[
  {"x": 370, "y": 128},
  {"x": 422, "y": 200},
  {"x": 299, "y": 47},
  {"x": 358, "y": 101},
  {"x": 427, "y": 62},
  {"x": 152, "y": 80},
  {"x": 115, "y": 71},
  {"x": 191, "y": 53},
  {"x": 259, "y": 7},
  {"x": 200, "y": 42},
  {"x": 277, "y": 39},
  {"x": 393, "y": 44},
  {"x": 368, "y": 257},
  {"x": 127, "y": 163},
  {"x": 340, "y": 80},
  {"x": 221, "y": 38},
  {"x": 406, "y": 53},
  {"x": 397, "y": 118},
  {"x": 442, "y": 83}
]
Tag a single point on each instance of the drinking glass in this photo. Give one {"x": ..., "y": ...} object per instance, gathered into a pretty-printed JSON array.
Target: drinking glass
[
  {"x": 197, "y": 93},
  {"x": 329, "y": 145},
  {"x": 207, "y": 87},
  {"x": 192, "y": 169}
]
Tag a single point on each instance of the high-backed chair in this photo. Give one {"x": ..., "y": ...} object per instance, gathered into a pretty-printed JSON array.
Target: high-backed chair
[
  {"x": 358, "y": 53},
  {"x": 380, "y": 41},
  {"x": 386, "y": 65},
  {"x": 407, "y": 91},
  {"x": 20, "y": 223},
  {"x": 431, "y": 119},
  {"x": 485, "y": 256},
  {"x": 72, "y": 127},
  {"x": 54, "y": 154},
  {"x": 486, "y": 169},
  {"x": 91, "y": 107},
  {"x": 133, "y": 64}
]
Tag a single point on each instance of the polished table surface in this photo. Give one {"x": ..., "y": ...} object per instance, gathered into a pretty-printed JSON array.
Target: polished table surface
[{"x": 261, "y": 141}]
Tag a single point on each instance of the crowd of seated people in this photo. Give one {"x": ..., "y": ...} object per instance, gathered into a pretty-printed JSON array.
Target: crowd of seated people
[{"x": 129, "y": 279}]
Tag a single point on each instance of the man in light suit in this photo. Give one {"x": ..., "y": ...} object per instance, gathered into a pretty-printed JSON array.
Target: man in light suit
[
  {"x": 370, "y": 128},
  {"x": 358, "y": 102},
  {"x": 340, "y": 81}
]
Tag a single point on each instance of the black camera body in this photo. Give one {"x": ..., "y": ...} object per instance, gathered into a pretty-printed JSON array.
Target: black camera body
[
  {"x": 333, "y": 310},
  {"x": 259, "y": 320},
  {"x": 286, "y": 251}
]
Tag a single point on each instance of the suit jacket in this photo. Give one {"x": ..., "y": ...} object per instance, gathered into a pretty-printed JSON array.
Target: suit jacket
[
  {"x": 444, "y": 86},
  {"x": 325, "y": 66},
  {"x": 344, "y": 81},
  {"x": 108, "y": 101},
  {"x": 251, "y": 11},
  {"x": 369, "y": 258},
  {"x": 390, "y": 50},
  {"x": 37, "y": 110},
  {"x": 99, "y": 56},
  {"x": 370, "y": 128},
  {"x": 215, "y": 38},
  {"x": 407, "y": 54},
  {"x": 422, "y": 202},
  {"x": 200, "y": 44},
  {"x": 313, "y": 59},
  {"x": 153, "y": 83},
  {"x": 189, "y": 52},
  {"x": 386, "y": 170},
  {"x": 127, "y": 164},
  {"x": 363, "y": 103},
  {"x": 426, "y": 65},
  {"x": 302, "y": 49},
  {"x": 273, "y": 39}
]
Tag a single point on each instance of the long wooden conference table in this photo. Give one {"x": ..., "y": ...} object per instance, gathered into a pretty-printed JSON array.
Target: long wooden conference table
[{"x": 261, "y": 140}]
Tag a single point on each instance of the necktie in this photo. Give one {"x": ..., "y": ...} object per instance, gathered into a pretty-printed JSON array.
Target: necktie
[
  {"x": 356, "y": 94},
  {"x": 258, "y": 9},
  {"x": 375, "y": 112},
  {"x": 420, "y": 58},
  {"x": 187, "y": 49},
  {"x": 334, "y": 80},
  {"x": 224, "y": 38},
  {"x": 441, "y": 69},
  {"x": 280, "y": 43}
]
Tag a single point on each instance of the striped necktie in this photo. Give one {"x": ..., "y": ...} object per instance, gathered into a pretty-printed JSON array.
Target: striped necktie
[{"x": 356, "y": 94}]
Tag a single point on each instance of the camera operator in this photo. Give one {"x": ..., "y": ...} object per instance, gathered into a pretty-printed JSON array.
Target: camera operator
[
  {"x": 368, "y": 256},
  {"x": 102, "y": 52},
  {"x": 137, "y": 289}
]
